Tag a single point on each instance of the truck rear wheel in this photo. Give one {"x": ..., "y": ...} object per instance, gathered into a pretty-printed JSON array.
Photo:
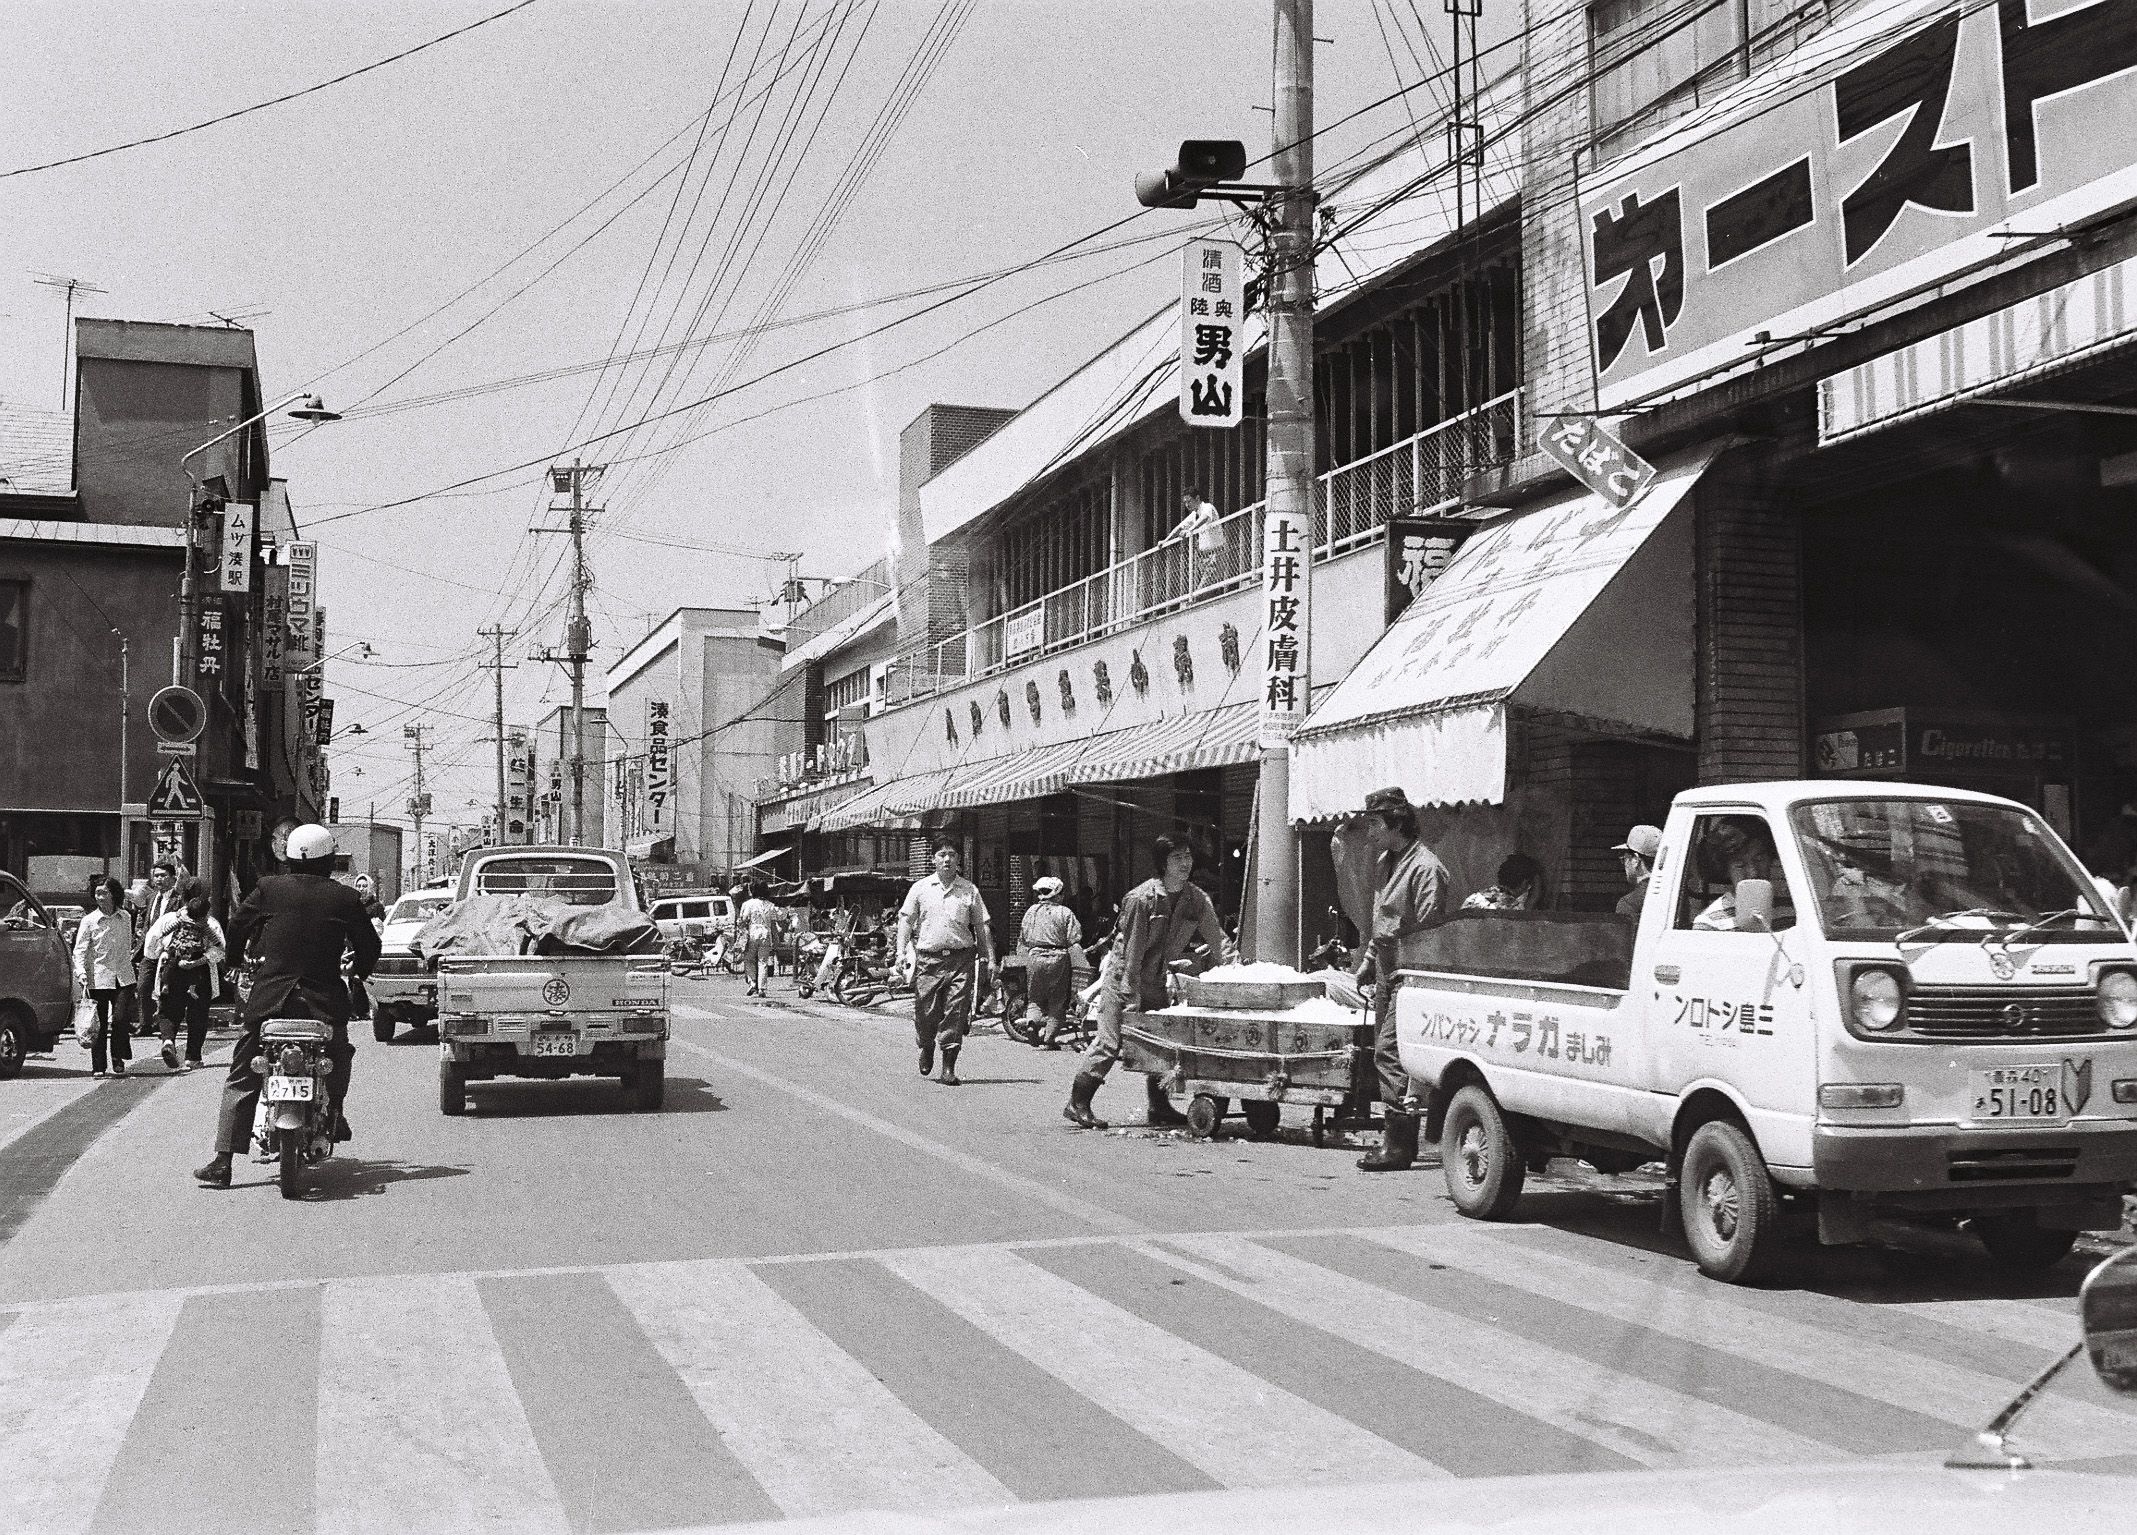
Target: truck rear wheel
[
  {"x": 2016, "y": 1245},
  {"x": 382, "y": 1021},
  {"x": 648, "y": 1083},
  {"x": 1479, "y": 1156},
  {"x": 1726, "y": 1199},
  {"x": 452, "y": 1088}
]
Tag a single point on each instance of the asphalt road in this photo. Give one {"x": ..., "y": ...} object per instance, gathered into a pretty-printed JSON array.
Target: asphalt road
[{"x": 816, "y": 1282}]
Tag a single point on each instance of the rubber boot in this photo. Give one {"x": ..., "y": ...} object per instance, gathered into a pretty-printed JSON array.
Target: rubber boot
[
  {"x": 948, "y": 1075},
  {"x": 1398, "y": 1144},
  {"x": 1081, "y": 1092},
  {"x": 927, "y": 1056},
  {"x": 1163, "y": 1116},
  {"x": 216, "y": 1175}
]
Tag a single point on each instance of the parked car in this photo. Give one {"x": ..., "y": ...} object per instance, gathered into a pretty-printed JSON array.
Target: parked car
[
  {"x": 403, "y": 989},
  {"x": 692, "y": 916},
  {"x": 36, "y": 976}
]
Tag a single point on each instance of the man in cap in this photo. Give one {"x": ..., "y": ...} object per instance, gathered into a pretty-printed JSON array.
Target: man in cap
[
  {"x": 1413, "y": 896},
  {"x": 1637, "y": 855},
  {"x": 1048, "y": 937},
  {"x": 943, "y": 937}
]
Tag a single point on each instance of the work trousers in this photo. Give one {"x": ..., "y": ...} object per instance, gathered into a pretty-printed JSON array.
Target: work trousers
[
  {"x": 241, "y": 1090},
  {"x": 1396, "y": 1088},
  {"x": 757, "y": 961},
  {"x": 942, "y": 997},
  {"x": 145, "y": 995},
  {"x": 186, "y": 1000},
  {"x": 1102, "y": 1054},
  {"x": 111, "y": 1026},
  {"x": 1049, "y": 985}
]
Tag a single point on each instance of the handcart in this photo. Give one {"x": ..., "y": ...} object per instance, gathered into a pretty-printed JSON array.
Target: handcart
[{"x": 1262, "y": 1044}]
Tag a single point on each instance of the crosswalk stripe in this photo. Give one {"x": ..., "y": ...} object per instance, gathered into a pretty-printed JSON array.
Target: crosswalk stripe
[
  {"x": 1560, "y": 1389},
  {"x": 1231, "y": 1425},
  {"x": 819, "y": 1433},
  {"x": 71, "y": 1378},
  {"x": 419, "y": 1425},
  {"x": 1709, "y": 1318},
  {"x": 2014, "y": 1321}
]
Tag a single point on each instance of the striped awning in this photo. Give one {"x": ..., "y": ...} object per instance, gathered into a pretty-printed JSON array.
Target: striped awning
[
  {"x": 1183, "y": 744},
  {"x": 893, "y": 806},
  {"x": 1021, "y": 775}
]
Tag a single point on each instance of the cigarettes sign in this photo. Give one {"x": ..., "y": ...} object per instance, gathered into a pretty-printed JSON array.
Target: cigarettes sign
[{"x": 1212, "y": 317}]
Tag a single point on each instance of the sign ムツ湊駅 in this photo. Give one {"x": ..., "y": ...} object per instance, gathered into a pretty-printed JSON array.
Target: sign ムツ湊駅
[
  {"x": 1903, "y": 145},
  {"x": 240, "y": 519},
  {"x": 1213, "y": 308}
]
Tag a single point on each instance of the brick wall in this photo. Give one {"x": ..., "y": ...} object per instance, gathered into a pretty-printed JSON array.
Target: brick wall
[{"x": 1750, "y": 635}]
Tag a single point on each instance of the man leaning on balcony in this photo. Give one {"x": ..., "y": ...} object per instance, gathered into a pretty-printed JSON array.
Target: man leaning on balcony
[{"x": 1203, "y": 530}]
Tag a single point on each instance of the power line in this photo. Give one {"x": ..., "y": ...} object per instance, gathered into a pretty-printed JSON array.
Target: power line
[{"x": 261, "y": 106}]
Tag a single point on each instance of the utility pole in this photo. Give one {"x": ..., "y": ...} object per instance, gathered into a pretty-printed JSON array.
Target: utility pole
[
  {"x": 73, "y": 285},
  {"x": 418, "y": 801},
  {"x": 1290, "y": 466},
  {"x": 497, "y": 634},
  {"x": 578, "y": 635}
]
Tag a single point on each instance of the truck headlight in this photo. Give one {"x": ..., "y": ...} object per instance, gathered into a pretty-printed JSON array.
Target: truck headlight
[
  {"x": 2116, "y": 998},
  {"x": 1876, "y": 999}
]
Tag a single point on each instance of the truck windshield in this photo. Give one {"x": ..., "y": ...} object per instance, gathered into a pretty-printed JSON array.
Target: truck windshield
[
  {"x": 581, "y": 881},
  {"x": 1885, "y": 867}
]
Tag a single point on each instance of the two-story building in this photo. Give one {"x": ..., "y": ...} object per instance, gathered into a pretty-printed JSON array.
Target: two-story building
[{"x": 94, "y": 511}]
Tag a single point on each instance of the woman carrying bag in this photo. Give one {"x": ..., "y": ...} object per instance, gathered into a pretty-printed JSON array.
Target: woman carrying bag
[{"x": 103, "y": 963}]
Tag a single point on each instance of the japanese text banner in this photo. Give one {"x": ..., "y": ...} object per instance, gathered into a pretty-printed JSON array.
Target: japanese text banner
[
  {"x": 1877, "y": 158},
  {"x": 1212, "y": 334}
]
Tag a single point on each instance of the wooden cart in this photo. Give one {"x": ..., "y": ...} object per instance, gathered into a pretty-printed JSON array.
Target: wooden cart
[{"x": 1262, "y": 1057}]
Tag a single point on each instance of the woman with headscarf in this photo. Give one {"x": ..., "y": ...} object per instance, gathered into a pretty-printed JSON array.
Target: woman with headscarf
[{"x": 104, "y": 964}]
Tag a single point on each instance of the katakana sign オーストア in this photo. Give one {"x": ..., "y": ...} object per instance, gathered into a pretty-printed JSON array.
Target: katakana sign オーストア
[
  {"x": 1885, "y": 154},
  {"x": 1287, "y": 549},
  {"x": 1212, "y": 334}
]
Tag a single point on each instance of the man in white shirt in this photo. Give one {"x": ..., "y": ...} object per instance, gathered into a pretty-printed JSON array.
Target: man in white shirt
[
  {"x": 1202, "y": 529},
  {"x": 942, "y": 936}
]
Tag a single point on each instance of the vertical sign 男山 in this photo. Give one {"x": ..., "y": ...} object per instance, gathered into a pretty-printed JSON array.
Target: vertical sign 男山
[{"x": 1212, "y": 335}]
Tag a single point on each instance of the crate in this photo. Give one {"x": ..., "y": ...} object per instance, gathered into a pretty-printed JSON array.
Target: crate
[{"x": 1247, "y": 996}]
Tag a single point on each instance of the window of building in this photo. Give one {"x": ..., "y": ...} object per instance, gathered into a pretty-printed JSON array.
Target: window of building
[
  {"x": 14, "y": 630},
  {"x": 1655, "y": 60},
  {"x": 839, "y": 692}
]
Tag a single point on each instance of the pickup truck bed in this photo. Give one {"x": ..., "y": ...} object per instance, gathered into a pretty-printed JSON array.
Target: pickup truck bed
[{"x": 1571, "y": 948}]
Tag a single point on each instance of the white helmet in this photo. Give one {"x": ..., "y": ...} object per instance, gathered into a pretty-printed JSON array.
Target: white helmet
[{"x": 308, "y": 843}]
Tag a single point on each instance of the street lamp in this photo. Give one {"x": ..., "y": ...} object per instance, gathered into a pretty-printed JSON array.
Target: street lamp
[{"x": 308, "y": 407}]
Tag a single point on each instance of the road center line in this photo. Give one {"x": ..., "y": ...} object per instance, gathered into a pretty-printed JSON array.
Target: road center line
[{"x": 1028, "y": 1188}]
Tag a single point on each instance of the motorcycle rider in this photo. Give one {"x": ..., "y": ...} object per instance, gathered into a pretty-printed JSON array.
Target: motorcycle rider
[{"x": 297, "y": 925}]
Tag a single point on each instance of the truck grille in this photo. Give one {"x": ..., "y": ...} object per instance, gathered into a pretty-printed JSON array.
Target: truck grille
[{"x": 2002, "y": 1012}]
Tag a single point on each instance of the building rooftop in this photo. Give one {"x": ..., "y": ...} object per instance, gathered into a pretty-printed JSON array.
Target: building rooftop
[{"x": 36, "y": 450}]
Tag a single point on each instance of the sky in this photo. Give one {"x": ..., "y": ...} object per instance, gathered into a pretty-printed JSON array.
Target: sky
[{"x": 468, "y": 250}]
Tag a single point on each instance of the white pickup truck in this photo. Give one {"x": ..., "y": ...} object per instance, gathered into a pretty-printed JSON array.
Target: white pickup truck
[
  {"x": 1840, "y": 1003},
  {"x": 552, "y": 1015}
]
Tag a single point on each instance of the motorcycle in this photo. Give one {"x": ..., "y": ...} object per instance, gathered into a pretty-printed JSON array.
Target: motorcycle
[{"x": 294, "y": 1124}]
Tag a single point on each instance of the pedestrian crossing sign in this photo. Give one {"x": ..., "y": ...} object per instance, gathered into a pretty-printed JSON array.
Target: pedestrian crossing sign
[{"x": 175, "y": 793}]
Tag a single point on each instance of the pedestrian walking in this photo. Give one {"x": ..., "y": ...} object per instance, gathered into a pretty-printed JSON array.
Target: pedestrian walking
[
  {"x": 166, "y": 894},
  {"x": 190, "y": 947},
  {"x": 759, "y": 921},
  {"x": 104, "y": 964},
  {"x": 1161, "y": 919},
  {"x": 1413, "y": 896},
  {"x": 1049, "y": 938},
  {"x": 943, "y": 937}
]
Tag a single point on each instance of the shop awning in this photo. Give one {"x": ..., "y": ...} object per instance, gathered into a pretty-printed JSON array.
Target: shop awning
[
  {"x": 762, "y": 858},
  {"x": 1571, "y": 609},
  {"x": 1180, "y": 744},
  {"x": 649, "y": 846},
  {"x": 893, "y": 806}
]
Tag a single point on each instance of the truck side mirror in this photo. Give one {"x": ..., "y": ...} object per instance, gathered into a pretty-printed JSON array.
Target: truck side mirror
[
  {"x": 2108, "y": 1307},
  {"x": 1754, "y": 905}
]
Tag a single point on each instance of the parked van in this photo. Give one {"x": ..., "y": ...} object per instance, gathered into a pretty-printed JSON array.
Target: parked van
[{"x": 692, "y": 916}]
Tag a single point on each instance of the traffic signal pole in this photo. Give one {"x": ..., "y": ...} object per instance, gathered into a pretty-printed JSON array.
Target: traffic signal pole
[{"x": 1289, "y": 303}]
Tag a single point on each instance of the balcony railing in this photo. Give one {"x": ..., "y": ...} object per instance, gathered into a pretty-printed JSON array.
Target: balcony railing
[
  {"x": 1352, "y": 506},
  {"x": 840, "y": 603}
]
